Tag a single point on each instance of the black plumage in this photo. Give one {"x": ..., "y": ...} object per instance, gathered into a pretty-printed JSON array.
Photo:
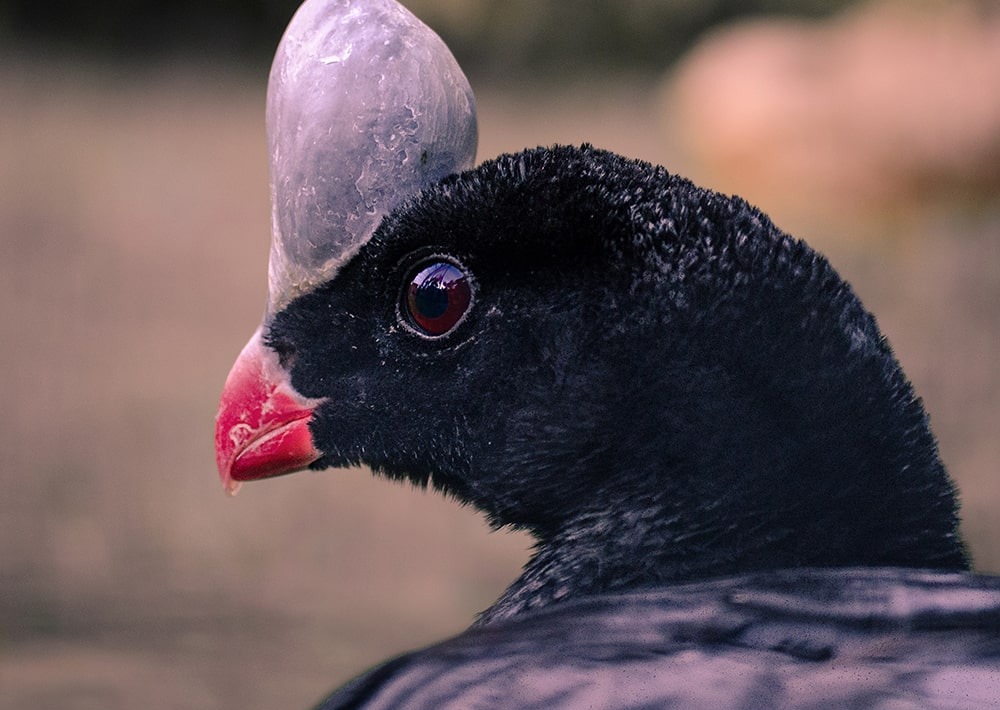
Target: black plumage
[
  {"x": 662, "y": 387},
  {"x": 652, "y": 379}
]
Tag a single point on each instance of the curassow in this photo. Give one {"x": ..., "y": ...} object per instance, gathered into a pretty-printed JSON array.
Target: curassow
[{"x": 736, "y": 497}]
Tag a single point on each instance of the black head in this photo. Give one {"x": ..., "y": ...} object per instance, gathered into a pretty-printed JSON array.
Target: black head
[{"x": 622, "y": 360}]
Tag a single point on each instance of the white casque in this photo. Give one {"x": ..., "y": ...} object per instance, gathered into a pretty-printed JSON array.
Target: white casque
[{"x": 366, "y": 106}]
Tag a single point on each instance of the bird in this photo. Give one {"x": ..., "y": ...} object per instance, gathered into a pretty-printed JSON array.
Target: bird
[{"x": 735, "y": 494}]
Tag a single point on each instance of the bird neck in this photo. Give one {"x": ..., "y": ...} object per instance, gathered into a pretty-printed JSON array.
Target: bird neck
[
  {"x": 601, "y": 551},
  {"x": 662, "y": 537}
]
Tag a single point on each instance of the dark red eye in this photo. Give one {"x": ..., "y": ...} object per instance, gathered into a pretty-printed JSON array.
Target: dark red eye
[{"x": 437, "y": 297}]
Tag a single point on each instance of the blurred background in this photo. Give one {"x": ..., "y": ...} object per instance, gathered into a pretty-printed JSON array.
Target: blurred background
[{"x": 133, "y": 244}]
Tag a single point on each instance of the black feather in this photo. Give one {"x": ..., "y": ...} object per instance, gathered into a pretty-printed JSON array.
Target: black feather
[{"x": 653, "y": 379}]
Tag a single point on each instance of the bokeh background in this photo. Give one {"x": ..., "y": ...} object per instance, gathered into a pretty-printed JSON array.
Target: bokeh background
[{"x": 133, "y": 244}]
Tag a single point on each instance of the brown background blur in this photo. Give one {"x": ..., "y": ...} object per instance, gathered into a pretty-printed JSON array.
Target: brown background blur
[{"x": 133, "y": 243}]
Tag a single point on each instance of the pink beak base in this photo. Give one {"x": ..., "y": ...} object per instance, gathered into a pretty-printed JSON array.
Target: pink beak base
[{"x": 262, "y": 428}]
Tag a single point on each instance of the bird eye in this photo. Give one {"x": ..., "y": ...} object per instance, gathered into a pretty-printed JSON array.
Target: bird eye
[{"x": 436, "y": 297}]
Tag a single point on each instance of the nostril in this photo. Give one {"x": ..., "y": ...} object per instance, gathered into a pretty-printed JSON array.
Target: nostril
[{"x": 287, "y": 354}]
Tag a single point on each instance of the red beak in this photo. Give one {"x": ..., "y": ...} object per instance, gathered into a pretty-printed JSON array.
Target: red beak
[{"x": 262, "y": 428}]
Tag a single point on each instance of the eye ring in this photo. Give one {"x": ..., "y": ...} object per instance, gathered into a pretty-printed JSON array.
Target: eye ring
[{"x": 437, "y": 295}]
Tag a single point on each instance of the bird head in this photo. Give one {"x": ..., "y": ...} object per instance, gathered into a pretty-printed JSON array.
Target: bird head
[{"x": 575, "y": 343}]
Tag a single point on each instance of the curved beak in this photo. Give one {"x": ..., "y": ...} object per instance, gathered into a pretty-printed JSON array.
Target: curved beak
[{"x": 262, "y": 427}]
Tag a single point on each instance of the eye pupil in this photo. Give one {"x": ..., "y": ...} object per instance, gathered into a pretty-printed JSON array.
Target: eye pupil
[
  {"x": 437, "y": 297},
  {"x": 430, "y": 298}
]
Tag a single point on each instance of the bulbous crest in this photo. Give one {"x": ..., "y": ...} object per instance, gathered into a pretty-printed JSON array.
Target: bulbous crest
[{"x": 366, "y": 106}]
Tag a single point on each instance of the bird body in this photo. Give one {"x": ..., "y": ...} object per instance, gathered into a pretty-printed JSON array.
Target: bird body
[
  {"x": 874, "y": 638},
  {"x": 736, "y": 497}
]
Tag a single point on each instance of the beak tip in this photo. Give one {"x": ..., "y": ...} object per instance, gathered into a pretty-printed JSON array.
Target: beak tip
[
  {"x": 224, "y": 456},
  {"x": 230, "y": 486}
]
